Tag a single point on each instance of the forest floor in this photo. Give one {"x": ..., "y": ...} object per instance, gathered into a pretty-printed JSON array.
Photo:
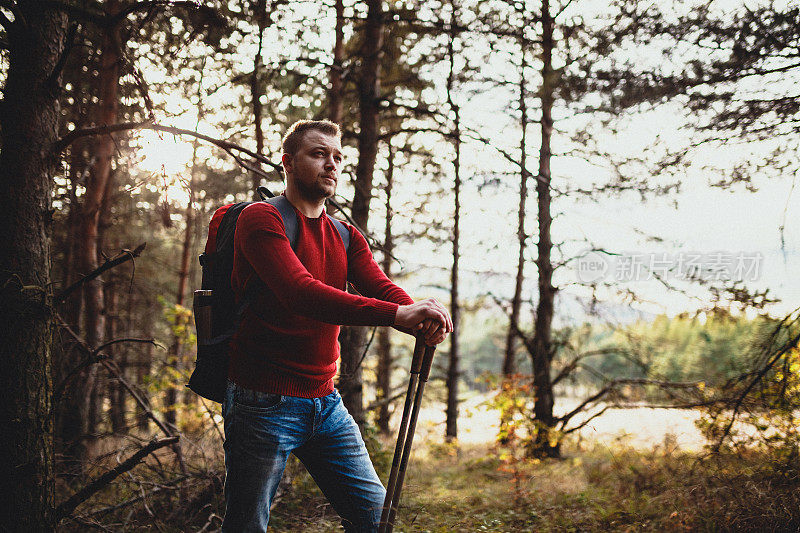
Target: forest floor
[{"x": 630, "y": 470}]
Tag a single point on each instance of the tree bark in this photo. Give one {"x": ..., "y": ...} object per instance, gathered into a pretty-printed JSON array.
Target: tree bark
[
  {"x": 256, "y": 89},
  {"x": 543, "y": 322},
  {"x": 384, "y": 371},
  {"x": 353, "y": 339},
  {"x": 29, "y": 119},
  {"x": 78, "y": 404},
  {"x": 335, "y": 92},
  {"x": 175, "y": 356},
  {"x": 116, "y": 391},
  {"x": 453, "y": 372},
  {"x": 510, "y": 359}
]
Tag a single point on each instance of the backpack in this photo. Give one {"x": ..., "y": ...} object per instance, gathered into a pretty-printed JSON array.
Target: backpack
[{"x": 217, "y": 315}]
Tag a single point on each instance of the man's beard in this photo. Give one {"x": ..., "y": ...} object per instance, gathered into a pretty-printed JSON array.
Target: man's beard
[{"x": 313, "y": 191}]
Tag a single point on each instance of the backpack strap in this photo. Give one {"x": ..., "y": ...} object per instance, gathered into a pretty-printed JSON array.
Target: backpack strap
[
  {"x": 288, "y": 215},
  {"x": 344, "y": 233}
]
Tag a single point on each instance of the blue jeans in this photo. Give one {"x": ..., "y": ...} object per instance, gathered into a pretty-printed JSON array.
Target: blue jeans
[{"x": 261, "y": 430}]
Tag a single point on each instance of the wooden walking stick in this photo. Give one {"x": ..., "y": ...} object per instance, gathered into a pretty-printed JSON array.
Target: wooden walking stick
[{"x": 420, "y": 370}]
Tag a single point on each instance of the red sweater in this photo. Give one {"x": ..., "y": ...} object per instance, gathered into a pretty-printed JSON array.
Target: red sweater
[{"x": 287, "y": 341}]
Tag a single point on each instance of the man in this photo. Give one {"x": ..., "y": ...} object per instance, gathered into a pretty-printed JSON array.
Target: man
[{"x": 280, "y": 397}]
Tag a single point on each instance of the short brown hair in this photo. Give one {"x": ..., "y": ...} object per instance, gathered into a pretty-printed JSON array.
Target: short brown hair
[{"x": 294, "y": 135}]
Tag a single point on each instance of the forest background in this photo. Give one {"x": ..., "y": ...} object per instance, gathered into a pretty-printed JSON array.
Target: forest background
[{"x": 601, "y": 193}]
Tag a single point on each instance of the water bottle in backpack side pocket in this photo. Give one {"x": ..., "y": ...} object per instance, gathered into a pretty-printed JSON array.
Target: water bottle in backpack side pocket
[{"x": 202, "y": 315}]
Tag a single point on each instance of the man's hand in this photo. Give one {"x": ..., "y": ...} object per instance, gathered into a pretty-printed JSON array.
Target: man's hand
[{"x": 428, "y": 317}]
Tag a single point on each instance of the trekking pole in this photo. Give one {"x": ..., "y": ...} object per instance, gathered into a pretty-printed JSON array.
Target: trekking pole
[
  {"x": 416, "y": 366},
  {"x": 420, "y": 370}
]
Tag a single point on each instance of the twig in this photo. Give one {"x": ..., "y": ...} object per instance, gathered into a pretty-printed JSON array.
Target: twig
[
  {"x": 211, "y": 415},
  {"x": 385, "y": 401},
  {"x": 112, "y": 367},
  {"x": 756, "y": 379},
  {"x": 66, "y": 508},
  {"x": 93, "y": 357}
]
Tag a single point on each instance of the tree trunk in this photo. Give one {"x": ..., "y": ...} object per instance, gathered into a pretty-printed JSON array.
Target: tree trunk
[
  {"x": 29, "y": 120},
  {"x": 144, "y": 357},
  {"x": 115, "y": 389},
  {"x": 79, "y": 401},
  {"x": 543, "y": 323},
  {"x": 353, "y": 339},
  {"x": 175, "y": 356},
  {"x": 510, "y": 359},
  {"x": 256, "y": 90},
  {"x": 335, "y": 92},
  {"x": 453, "y": 372},
  {"x": 384, "y": 371}
]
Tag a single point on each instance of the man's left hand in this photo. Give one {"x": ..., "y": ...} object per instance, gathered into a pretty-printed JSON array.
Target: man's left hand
[{"x": 433, "y": 332}]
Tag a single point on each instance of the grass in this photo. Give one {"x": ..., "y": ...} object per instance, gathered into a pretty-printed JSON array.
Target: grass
[{"x": 596, "y": 489}]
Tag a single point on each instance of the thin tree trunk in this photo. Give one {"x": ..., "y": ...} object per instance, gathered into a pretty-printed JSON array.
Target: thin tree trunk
[
  {"x": 256, "y": 89},
  {"x": 353, "y": 339},
  {"x": 453, "y": 372},
  {"x": 116, "y": 397},
  {"x": 335, "y": 96},
  {"x": 175, "y": 356},
  {"x": 101, "y": 152},
  {"x": 144, "y": 361},
  {"x": 543, "y": 323},
  {"x": 510, "y": 359},
  {"x": 29, "y": 120},
  {"x": 384, "y": 371},
  {"x": 101, "y": 388},
  {"x": 71, "y": 310}
]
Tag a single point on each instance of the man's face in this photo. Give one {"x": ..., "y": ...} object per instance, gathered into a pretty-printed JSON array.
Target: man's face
[{"x": 315, "y": 167}]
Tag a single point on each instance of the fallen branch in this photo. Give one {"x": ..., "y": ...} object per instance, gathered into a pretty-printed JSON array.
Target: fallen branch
[{"x": 66, "y": 508}]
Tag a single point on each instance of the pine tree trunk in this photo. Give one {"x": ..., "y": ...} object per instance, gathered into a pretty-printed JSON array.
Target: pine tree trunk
[
  {"x": 335, "y": 92},
  {"x": 115, "y": 394},
  {"x": 256, "y": 90},
  {"x": 543, "y": 323},
  {"x": 510, "y": 359},
  {"x": 175, "y": 356},
  {"x": 29, "y": 120},
  {"x": 79, "y": 401},
  {"x": 453, "y": 372},
  {"x": 384, "y": 371},
  {"x": 353, "y": 339}
]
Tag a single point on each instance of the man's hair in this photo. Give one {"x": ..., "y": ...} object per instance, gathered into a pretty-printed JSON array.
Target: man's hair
[{"x": 294, "y": 135}]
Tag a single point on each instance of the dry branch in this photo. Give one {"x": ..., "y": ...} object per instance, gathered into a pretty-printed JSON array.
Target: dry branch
[
  {"x": 122, "y": 257},
  {"x": 66, "y": 508}
]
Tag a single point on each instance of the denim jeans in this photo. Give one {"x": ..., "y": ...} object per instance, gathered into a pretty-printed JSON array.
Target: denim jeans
[{"x": 261, "y": 430}]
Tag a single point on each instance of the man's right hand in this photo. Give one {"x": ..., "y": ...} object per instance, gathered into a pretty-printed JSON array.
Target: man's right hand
[{"x": 426, "y": 316}]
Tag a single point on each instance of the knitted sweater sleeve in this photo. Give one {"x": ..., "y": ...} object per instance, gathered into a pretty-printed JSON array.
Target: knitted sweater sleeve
[{"x": 261, "y": 239}]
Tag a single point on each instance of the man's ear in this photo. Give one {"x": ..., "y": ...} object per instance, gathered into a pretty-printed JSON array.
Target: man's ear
[{"x": 286, "y": 160}]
